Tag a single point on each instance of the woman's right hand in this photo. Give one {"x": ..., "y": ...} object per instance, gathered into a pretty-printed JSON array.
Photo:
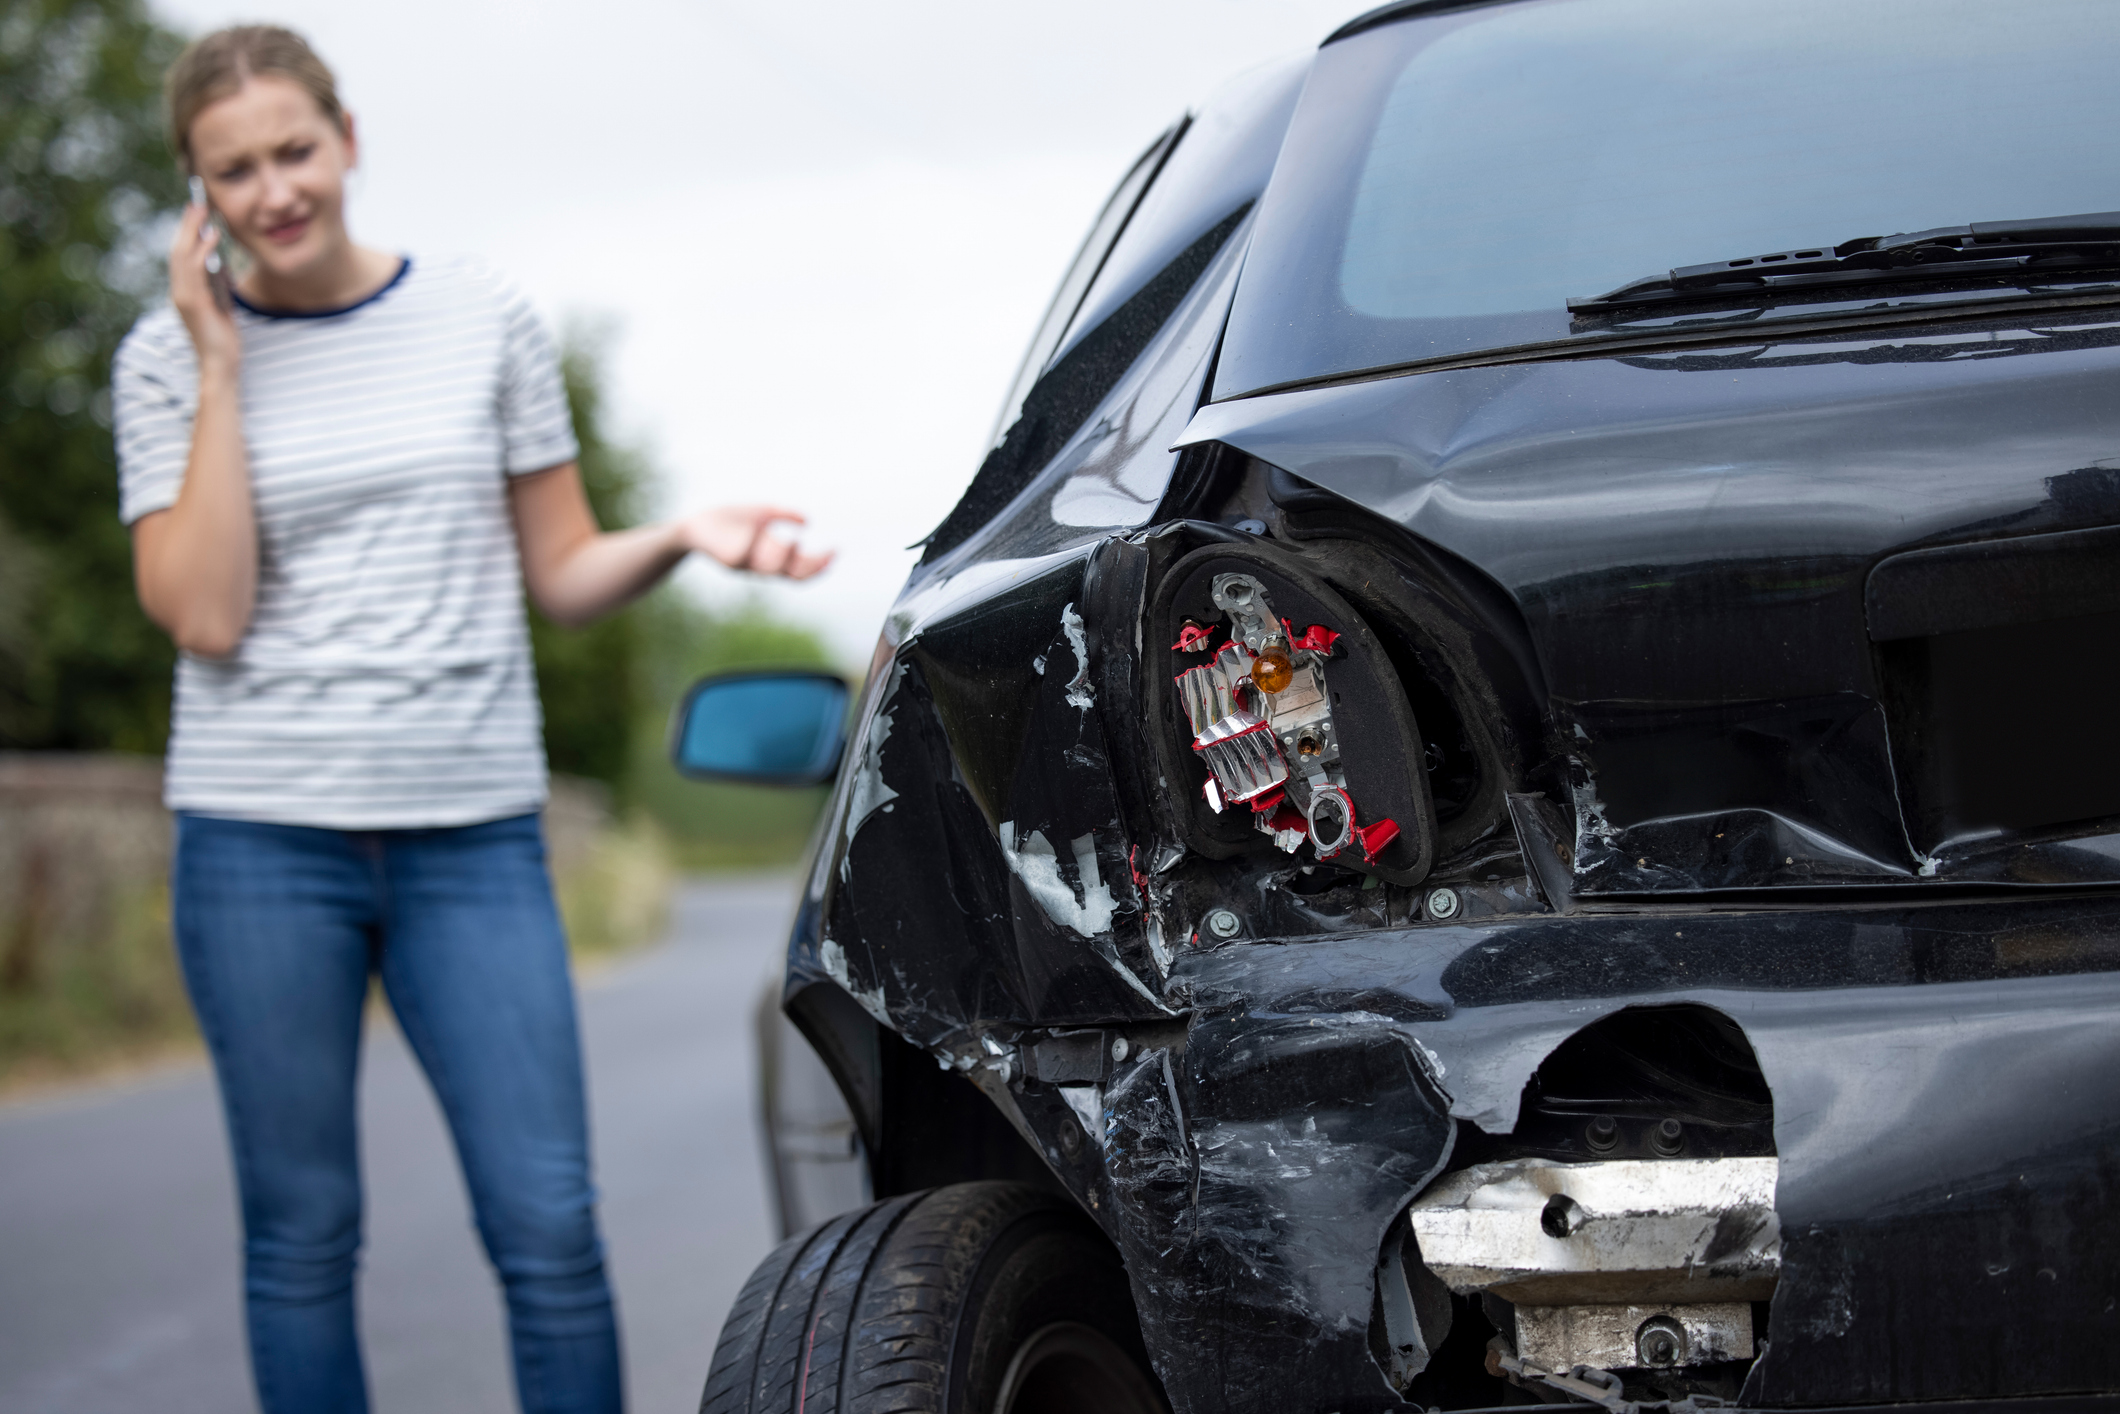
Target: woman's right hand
[
  {"x": 196, "y": 563},
  {"x": 213, "y": 329}
]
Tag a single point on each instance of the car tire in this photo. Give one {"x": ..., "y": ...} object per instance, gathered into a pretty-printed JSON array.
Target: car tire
[{"x": 978, "y": 1298}]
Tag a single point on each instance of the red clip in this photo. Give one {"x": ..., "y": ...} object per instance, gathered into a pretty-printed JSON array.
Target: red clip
[
  {"x": 1375, "y": 839},
  {"x": 1193, "y": 639},
  {"x": 1316, "y": 639},
  {"x": 1287, "y": 817},
  {"x": 1266, "y": 800}
]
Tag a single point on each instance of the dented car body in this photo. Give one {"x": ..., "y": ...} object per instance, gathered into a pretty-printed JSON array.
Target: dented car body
[{"x": 1512, "y": 852}]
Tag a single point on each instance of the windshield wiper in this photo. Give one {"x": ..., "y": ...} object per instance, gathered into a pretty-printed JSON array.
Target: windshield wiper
[{"x": 2053, "y": 245}]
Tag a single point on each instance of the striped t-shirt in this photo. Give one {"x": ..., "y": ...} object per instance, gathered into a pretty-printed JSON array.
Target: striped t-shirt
[{"x": 385, "y": 680}]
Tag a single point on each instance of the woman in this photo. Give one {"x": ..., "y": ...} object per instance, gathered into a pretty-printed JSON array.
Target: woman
[{"x": 338, "y": 481}]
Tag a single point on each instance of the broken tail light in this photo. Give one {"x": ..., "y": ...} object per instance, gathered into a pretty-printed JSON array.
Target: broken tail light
[{"x": 1294, "y": 713}]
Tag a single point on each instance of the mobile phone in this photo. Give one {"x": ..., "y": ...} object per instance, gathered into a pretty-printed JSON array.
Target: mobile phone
[{"x": 216, "y": 266}]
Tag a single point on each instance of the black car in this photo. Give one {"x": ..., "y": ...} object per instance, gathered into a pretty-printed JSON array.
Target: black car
[{"x": 1504, "y": 789}]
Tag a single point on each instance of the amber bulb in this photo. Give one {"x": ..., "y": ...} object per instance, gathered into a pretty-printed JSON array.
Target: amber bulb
[{"x": 1271, "y": 671}]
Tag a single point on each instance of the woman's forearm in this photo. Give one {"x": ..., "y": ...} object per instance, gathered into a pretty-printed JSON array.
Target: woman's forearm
[
  {"x": 196, "y": 564},
  {"x": 576, "y": 575},
  {"x": 600, "y": 573}
]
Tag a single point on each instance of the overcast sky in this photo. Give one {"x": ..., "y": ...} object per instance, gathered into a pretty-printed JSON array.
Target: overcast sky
[{"x": 822, "y": 232}]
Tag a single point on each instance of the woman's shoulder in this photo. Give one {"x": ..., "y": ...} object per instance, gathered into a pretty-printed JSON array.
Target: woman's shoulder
[{"x": 467, "y": 278}]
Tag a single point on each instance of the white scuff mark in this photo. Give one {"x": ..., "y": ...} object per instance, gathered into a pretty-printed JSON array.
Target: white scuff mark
[
  {"x": 1097, "y": 898},
  {"x": 1590, "y": 822},
  {"x": 1177, "y": 1109},
  {"x": 1036, "y": 864},
  {"x": 1088, "y": 1106},
  {"x": 1126, "y": 975},
  {"x": 1929, "y": 865},
  {"x": 1340, "y": 1020},
  {"x": 1039, "y": 663},
  {"x": 1090, "y": 912},
  {"x": 1078, "y": 693},
  {"x": 1433, "y": 1062},
  {"x": 1157, "y": 947},
  {"x": 834, "y": 958}
]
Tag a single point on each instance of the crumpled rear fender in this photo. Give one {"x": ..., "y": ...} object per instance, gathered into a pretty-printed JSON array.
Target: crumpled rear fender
[
  {"x": 974, "y": 875},
  {"x": 1947, "y": 1125}
]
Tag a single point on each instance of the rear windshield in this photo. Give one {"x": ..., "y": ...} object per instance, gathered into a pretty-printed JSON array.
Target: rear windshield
[{"x": 1450, "y": 182}]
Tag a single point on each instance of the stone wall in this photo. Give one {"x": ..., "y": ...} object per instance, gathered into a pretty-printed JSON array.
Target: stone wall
[
  {"x": 80, "y": 837},
  {"x": 82, "y": 834}
]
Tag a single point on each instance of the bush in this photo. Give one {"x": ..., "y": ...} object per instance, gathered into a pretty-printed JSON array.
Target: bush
[{"x": 84, "y": 190}]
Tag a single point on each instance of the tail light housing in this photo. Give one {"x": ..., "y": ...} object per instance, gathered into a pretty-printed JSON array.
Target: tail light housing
[{"x": 1296, "y": 735}]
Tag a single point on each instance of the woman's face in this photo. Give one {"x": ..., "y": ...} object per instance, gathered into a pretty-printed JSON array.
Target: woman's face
[{"x": 275, "y": 168}]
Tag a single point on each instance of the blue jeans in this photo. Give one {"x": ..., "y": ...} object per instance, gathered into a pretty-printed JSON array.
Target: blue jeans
[{"x": 278, "y": 928}]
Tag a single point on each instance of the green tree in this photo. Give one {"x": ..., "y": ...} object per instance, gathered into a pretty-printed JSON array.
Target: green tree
[
  {"x": 589, "y": 679},
  {"x": 85, "y": 178}
]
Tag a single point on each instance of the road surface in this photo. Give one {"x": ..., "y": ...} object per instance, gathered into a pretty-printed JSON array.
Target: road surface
[{"x": 118, "y": 1264}]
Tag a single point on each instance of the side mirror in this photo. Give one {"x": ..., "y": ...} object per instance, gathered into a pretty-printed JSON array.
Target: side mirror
[{"x": 769, "y": 728}]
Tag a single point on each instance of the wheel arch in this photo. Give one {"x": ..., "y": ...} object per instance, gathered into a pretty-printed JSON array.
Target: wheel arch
[{"x": 921, "y": 1126}]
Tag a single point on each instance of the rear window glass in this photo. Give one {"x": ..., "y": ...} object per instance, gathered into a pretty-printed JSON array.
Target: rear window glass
[{"x": 1451, "y": 181}]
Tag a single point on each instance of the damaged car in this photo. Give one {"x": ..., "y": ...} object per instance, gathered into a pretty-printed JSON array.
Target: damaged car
[{"x": 1503, "y": 788}]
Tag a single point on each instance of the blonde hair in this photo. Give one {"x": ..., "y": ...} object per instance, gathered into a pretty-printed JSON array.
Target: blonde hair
[{"x": 212, "y": 68}]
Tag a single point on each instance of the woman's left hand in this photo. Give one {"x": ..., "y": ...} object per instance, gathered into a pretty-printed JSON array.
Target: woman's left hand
[
  {"x": 741, "y": 538},
  {"x": 576, "y": 574}
]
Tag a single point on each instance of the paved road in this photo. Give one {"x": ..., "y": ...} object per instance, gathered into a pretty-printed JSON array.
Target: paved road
[{"x": 118, "y": 1271}]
